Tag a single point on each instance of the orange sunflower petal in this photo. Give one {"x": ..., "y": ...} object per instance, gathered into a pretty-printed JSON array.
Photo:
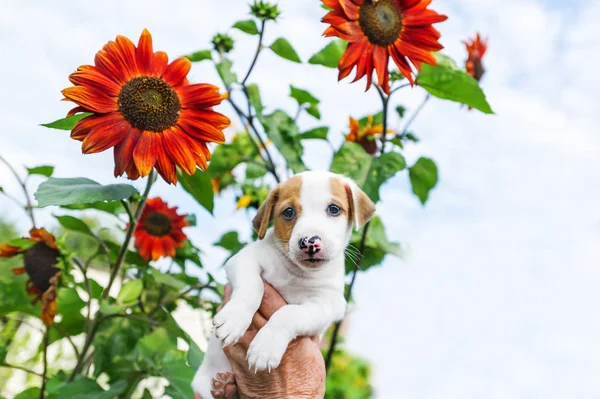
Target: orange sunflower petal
[
  {"x": 123, "y": 152},
  {"x": 9, "y": 251},
  {"x": 91, "y": 99},
  {"x": 177, "y": 71},
  {"x": 107, "y": 134},
  {"x": 144, "y": 53},
  {"x": 179, "y": 150},
  {"x": 145, "y": 154},
  {"x": 165, "y": 166}
]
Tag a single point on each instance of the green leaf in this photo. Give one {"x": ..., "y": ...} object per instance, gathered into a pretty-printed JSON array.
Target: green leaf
[
  {"x": 109, "y": 309},
  {"x": 191, "y": 220},
  {"x": 303, "y": 96},
  {"x": 114, "y": 207},
  {"x": 231, "y": 242},
  {"x": 195, "y": 355},
  {"x": 79, "y": 191},
  {"x": 188, "y": 252},
  {"x": 180, "y": 377},
  {"x": 96, "y": 289},
  {"x": 254, "y": 97},
  {"x": 448, "y": 81},
  {"x": 31, "y": 393},
  {"x": 423, "y": 177},
  {"x": 46, "y": 171},
  {"x": 370, "y": 173},
  {"x": 130, "y": 292},
  {"x": 228, "y": 156},
  {"x": 131, "y": 258},
  {"x": 224, "y": 70},
  {"x": 330, "y": 55},
  {"x": 248, "y": 27},
  {"x": 167, "y": 279},
  {"x": 282, "y": 129},
  {"x": 316, "y": 133},
  {"x": 72, "y": 223},
  {"x": 199, "y": 56},
  {"x": 89, "y": 389},
  {"x": 284, "y": 49},
  {"x": 401, "y": 111},
  {"x": 66, "y": 123},
  {"x": 313, "y": 110},
  {"x": 254, "y": 171},
  {"x": 200, "y": 187}
]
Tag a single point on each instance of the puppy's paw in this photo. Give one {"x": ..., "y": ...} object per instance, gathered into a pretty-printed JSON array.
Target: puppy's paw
[
  {"x": 231, "y": 323},
  {"x": 223, "y": 386},
  {"x": 266, "y": 349}
]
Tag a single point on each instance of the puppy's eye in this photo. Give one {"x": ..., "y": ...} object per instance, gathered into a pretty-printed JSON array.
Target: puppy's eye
[
  {"x": 289, "y": 213},
  {"x": 334, "y": 210}
]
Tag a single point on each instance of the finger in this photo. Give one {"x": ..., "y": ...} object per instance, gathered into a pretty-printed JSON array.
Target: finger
[
  {"x": 197, "y": 396},
  {"x": 258, "y": 321},
  {"x": 226, "y": 296},
  {"x": 271, "y": 302}
]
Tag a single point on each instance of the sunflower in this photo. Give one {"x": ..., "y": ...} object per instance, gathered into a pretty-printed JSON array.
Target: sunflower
[
  {"x": 365, "y": 135},
  {"x": 40, "y": 259},
  {"x": 378, "y": 29},
  {"x": 146, "y": 109},
  {"x": 476, "y": 48},
  {"x": 159, "y": 230}
]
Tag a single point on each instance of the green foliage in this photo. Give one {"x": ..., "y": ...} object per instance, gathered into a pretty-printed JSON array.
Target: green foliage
[
  {"x": 198, "y": 186},
  {"x": 80, "y": 190},
  {"x": 330, "y": 55},
  {"x": 448, "y": 81},
  {"x": 133, "y": 333},
  {"x": 45, "y": 171},
  {"x": 224, "y": 70},
  {"x": 248, "y": 27},
  {"x": 200, "y": 56},
  {"x": 423, "y": 177},
  {"x": 284, "y": 49},
  {"x": 370, "y": 173},
  {"x": 282, "y": 129},
  {"x": 66, "y": 123},
  {"x": 348, "y": 378}
]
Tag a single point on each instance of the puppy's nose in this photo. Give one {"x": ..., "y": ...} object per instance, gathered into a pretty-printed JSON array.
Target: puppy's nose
[{"x": 310, "y": 245}]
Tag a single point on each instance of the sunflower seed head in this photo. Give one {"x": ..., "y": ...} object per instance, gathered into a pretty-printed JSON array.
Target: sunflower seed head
[{"x": 223, "y": 43}]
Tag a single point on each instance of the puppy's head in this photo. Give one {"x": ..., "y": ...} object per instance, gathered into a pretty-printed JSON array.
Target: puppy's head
[{"x": 313, "y": 214}]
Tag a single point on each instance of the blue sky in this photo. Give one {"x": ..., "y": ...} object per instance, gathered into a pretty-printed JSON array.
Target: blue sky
[{"x": 497, "y": 298}]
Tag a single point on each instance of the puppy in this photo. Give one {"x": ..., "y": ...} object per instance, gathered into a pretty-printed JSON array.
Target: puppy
[{"x": 302, "y": 257}]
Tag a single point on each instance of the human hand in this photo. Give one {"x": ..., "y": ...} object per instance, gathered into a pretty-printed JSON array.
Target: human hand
[{"x": 301, "y": 374}]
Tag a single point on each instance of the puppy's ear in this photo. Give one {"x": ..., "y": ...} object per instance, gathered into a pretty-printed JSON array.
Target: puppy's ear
[
  {"x": 362, "y": 209},
  {"x": 265, "y": 214}
]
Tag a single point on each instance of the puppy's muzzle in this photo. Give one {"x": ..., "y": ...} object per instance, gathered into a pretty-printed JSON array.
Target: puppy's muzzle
[{"x": 310, "y": 245}]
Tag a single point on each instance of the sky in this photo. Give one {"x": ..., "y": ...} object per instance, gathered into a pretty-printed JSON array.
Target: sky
[{"x": 498, "y": 295}]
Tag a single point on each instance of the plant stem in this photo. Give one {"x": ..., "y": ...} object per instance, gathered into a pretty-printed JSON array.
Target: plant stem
[
  {"x": 258, "y": 50},
  {"x": 117, "y": 267},
  {"x": 385, "y": 100},
  {"x": 336, "y": 330},
  {"x": 12, "y": 366},
  {"x": 44, "y": 375},
  {"x": 29, "y": 207},
  {"x": 65, "y": 335},
  {"x": 132, "y": 225},
  {"x": 402, "y": 135}
]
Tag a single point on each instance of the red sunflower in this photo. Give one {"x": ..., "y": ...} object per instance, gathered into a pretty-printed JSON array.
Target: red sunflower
[
  {"x": 146, "y": 109},
  {"x": 159, "y": 230},
  {"x": 378, "y": 29},
  {"x": 476, "y": 48},
  {"x": 40, "y": 261}
]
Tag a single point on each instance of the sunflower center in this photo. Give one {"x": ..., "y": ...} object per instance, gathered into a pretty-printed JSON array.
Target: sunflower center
[
  {"x": 40, "y": 262},
  {"x": 149, "y": 103},
  {"x": 381, "y": 21},
  {"x": 157, "y": 224}
]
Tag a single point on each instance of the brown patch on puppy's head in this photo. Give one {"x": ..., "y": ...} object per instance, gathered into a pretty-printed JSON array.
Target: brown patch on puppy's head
[
  {"x": 360, "y": 209},
  {"x": 286, "y": 195}
]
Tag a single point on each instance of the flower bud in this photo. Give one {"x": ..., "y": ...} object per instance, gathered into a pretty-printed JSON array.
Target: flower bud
[
  {"x": 265, "y": 11},
  {"x": 223, "y": 43}
]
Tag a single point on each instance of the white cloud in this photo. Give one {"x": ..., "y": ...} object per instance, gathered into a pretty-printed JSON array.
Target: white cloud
[{"x": 497, "y": 298}]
